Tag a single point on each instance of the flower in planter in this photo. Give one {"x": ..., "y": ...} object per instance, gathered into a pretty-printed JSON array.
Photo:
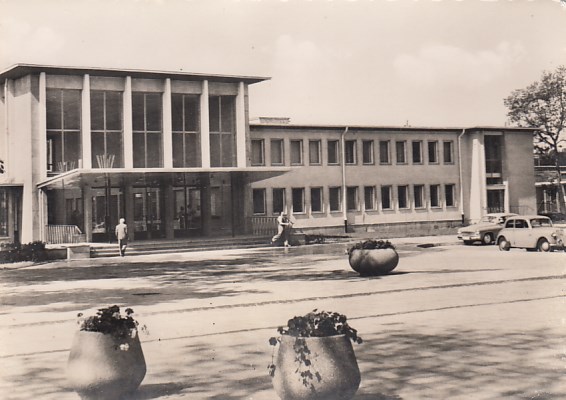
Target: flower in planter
[
  {"x": 316, "y": 324},
  {"x": 110, "y": 321},
  {"x": 106, "y": 360},
  {"x": 371, "y": 244}
]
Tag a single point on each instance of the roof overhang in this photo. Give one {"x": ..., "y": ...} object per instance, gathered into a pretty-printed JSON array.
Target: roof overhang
[
  {"x": 101, "y": 177},
  {"x": 19, "y": 70}
]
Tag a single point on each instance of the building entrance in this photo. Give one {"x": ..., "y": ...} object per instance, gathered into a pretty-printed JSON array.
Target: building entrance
[
  {"x": 148, "y": 213},
  {"x": 188, "y": 218},
  {"x": 496, "y": 200}
]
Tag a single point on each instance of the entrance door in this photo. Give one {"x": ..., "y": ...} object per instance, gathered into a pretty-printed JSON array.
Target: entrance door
[
  {"x": 148, "y": 213},
  {"x": 495, "y": 200},
  {"x": 187, "y": 211}
]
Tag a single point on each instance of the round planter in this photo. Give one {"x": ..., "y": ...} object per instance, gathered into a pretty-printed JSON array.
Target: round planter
[
  {"x": 100, "y": 368},
  {"x": 332, "y": 358},
  {"x": 373, "y": 261}
]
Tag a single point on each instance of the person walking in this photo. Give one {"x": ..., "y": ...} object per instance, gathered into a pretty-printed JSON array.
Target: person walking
[
  {"x": 122, "y": 235},
  {"x": 284, "y": 225}
]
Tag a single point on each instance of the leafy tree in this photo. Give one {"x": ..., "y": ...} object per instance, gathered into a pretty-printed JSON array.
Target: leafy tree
[{"x": 542, "y": 105}]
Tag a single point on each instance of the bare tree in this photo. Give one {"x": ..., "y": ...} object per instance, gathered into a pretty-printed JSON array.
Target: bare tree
[{"x": 542, "y": 105}]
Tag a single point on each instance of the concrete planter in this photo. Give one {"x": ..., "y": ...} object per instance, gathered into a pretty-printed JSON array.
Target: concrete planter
[
  {"x": 373, "y": 261},
  {"x": 332, "y": 358},
  {"x": 100, "y": 367}
]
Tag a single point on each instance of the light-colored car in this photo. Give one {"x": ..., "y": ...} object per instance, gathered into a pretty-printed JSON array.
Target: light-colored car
[
  {"x": 485, "y": 230},
  {"x": 531, "y": 232}
]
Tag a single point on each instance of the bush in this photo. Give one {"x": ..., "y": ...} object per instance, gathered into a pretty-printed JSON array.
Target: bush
[{"x": 15, "y": 252}]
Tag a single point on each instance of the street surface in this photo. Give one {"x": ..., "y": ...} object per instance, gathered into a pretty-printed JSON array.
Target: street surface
[{"x": 450, "y": 322}]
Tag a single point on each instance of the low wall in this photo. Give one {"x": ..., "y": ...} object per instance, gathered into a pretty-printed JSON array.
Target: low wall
[{"x": 386, "y": 231}]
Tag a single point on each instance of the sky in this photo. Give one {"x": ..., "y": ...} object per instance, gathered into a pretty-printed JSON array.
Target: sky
[{"x": 433, "y": 63}]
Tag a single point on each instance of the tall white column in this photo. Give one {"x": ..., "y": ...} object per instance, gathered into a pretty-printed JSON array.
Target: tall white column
[
  {"x": 204, "y": 126},
  {"x": 85, "y": 125},
  {"x": 478, "y": 193},
  {"x": 42, "y": 126},
  {"x": 128, "y": 129},
  {"x": 167, "y": 126},
  {"x": 241, "y": 126}
]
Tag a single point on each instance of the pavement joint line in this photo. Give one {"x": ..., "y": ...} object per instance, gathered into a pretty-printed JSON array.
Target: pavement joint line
[
  {"x": 277, "y": 326},
  {"x": 340, "y": 296}
]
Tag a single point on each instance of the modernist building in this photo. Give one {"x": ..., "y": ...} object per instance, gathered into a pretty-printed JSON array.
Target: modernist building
[
  {"x": 392, "y": 179},
  {"x": 83, "y": 147},
  {"x": 175, "y": 154}
]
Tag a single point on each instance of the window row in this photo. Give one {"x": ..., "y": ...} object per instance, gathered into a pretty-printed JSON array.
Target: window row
[
  {"x": 64, "y": 124},
  {"x": 371, "y": 198},
  {"x": 434, "y": 150}
]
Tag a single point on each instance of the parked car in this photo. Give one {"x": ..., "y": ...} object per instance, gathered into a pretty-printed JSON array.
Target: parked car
[
  {"x": 531, "y": 232},
  {"x": 555, "y": 216},
  {"x": 485, "y": 230}
]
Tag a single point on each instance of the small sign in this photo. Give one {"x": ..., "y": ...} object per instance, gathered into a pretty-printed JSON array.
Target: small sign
[{"x": 2, "y": 167}]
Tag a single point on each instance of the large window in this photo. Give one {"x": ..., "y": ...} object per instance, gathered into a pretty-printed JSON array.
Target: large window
[
  {"x": 419, "y": 193},
  {"x": 435, "y": 195},
  {"x": 186, "y": 130},
  {"x": 386, "y": 203},
  {"x": 277, "y": 152},
  {"x": 278, "y": 200},
  {"x": 314, "y": 152},
  {"x": 333, "y": 157},
  {"x": 316, "y": 199},
  {"x": 3, "y": 212},
  {"x": 147, "y": 125},
  {"x": 350, "y": 151},
  {"x": 403, "y": 197},
  {"x": 417, "y": 152},
  {"x": 106, "y": 129},
  {"x": 257, "y": 152},
  {"x": 367, "y": 151},
  {"x": 222, "y": 127},
  {"x": 493, "y": 155},
  {"x": 298, "y": 200},
  {"x": 369, "y": 197},
  {"x": 258, "y": 196},
  {"x": 352, "y": 198},
  {"x": 448, "y": 151},
  {"x": 384, "y": 157},
  {"x": 401, "y": 152},
  {"x": 433, "y": 152},
  {"x": 296, "y": 152},
  {"x": 63, "y": 111},
  {"x": 449, "y": 195},
  {"x": 335, "y": 198}
]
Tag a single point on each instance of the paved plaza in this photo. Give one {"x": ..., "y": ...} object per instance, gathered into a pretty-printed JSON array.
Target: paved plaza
[{"x": 450, "y": 322}]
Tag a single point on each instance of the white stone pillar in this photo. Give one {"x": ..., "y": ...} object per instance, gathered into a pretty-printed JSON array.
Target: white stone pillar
[
  {"x": 128, "y": 129},
  {"x": 42, "y": 126},
  {"x": 241, "y": 126},
  {"x": 204, "y": 126},
  {"x": 167, "y": 126},
  {"x": 478, "y": 195},
  {"x": 85, "y": 125}
]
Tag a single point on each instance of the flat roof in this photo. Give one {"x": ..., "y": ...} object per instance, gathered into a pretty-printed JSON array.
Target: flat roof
[
  {"x": 386, "y": 127},
  {"x": 19, "y": 70}
]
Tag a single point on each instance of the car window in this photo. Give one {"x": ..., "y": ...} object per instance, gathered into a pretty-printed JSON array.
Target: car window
[
  {"x": 510, "y": 224},
  {"x": 520, "y": 223},
  {"x": 540, "y": 222}
]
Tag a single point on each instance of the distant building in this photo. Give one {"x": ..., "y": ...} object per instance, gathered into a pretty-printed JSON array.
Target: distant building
[{"x": 175, "y": 154}]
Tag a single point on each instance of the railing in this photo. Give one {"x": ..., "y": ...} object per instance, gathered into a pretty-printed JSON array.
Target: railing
[
  {"x": 56, "y": 234},
  {"x": 264, "y": 226}
]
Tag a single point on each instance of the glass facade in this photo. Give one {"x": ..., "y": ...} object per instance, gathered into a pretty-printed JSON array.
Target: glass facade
[
  {"x": 106, "y": 129},
  {"x": 186, "y": 130},
  {"x": 147, "y": 111},
  {"x": 222, "y": 131},
  {"x": 63, "y": 112}
]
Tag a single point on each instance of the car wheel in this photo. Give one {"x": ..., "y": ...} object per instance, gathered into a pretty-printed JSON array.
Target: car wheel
[
  {"x": 543, "y": 245},
  {"x": 503, "y": 244},
  {"x": 487, "y": 238}
]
